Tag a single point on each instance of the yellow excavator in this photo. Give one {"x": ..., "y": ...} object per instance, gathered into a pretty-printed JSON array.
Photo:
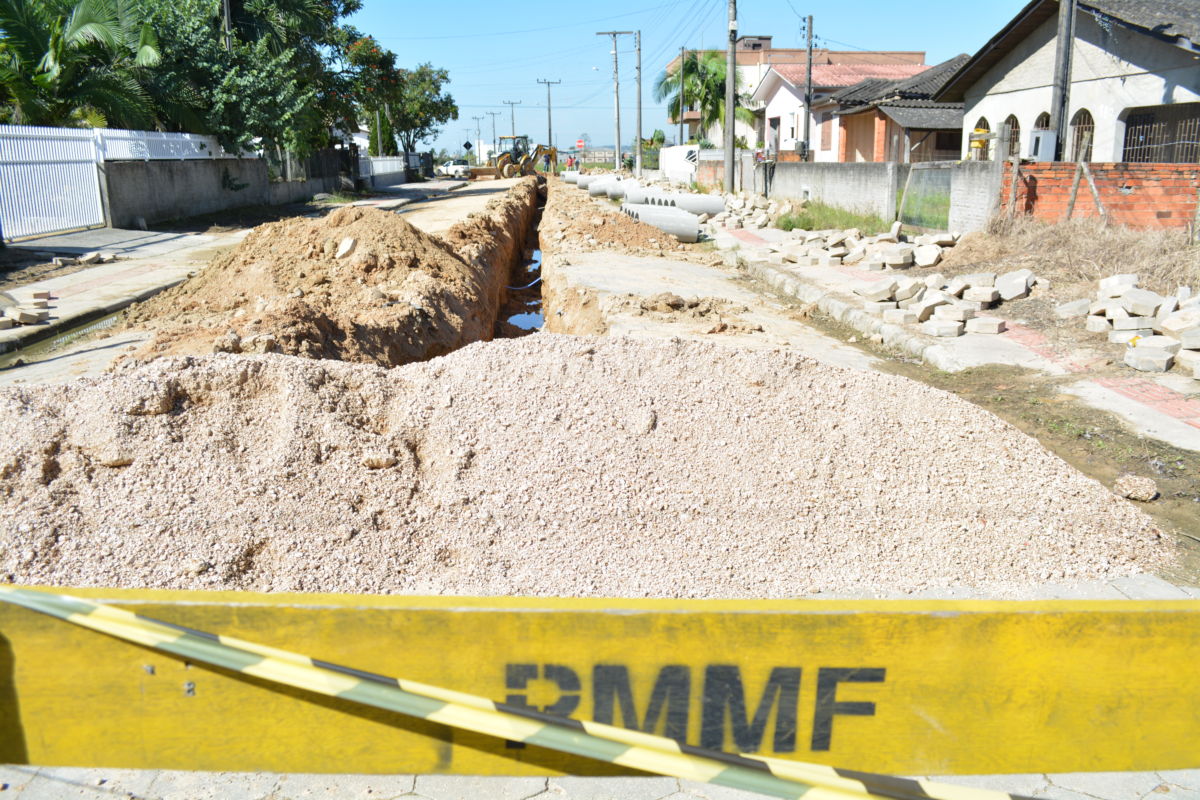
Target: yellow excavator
[{"x": 516, "y": 158}]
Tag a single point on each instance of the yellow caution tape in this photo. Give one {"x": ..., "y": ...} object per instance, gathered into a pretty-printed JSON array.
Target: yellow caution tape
[{"x": 631, "y": 749}]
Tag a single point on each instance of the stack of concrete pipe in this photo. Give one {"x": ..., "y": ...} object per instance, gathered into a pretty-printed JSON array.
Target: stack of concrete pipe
[{"x": 673, "y": 213}]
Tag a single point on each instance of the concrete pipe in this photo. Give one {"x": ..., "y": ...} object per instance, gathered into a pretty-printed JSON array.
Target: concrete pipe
[
  {"x": 570, "y": 175},
  {"x": 680, "y": 224},
  {"x": 599, "y": 188},
  {"x": 636, "y": 194},
  {"x": 700, "y": 203},
  {"x": 616, "y": 190},
  {"x": 583, "y": 180}
]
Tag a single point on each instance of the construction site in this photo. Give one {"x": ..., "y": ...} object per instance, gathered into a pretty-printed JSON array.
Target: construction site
[{"x": 858, "y": 462}]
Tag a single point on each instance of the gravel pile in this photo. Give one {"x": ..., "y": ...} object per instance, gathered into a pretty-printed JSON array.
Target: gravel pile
[{"x": 548, "y": 465}]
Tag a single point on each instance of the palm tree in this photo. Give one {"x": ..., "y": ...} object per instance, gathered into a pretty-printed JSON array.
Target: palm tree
[
  {"x": 702, "y": 77},
  {"x": 75, "y": 65}
]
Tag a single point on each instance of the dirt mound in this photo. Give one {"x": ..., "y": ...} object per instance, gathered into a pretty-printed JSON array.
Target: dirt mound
[
  {"x": 573, "y": 222},
  {"x": 358, "y": 285},
  {"x": 548, "y": 465}
]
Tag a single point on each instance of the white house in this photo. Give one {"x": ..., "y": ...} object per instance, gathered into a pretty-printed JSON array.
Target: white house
[
  {"x": 781, "y": 92},
  {"x": 1134, "y": 81}
]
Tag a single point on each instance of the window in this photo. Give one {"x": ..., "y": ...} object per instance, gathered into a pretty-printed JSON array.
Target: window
[
  {"x": 827, "y": 130},
  {"x": 1083, "y": 128},
  {"x": 1014, "y": 136},
  {"x": 1168, "y": 134},
  {"x": 982, "y": 147},
  {"x": 1042, "y": 123}
]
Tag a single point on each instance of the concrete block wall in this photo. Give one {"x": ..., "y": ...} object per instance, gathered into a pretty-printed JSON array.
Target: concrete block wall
[
  {"x": 865, "y": 187},
  {"x": 162, "y": 190},
  {"x": 1144, "y": 196},
  {"x": 974, "y": 194}
]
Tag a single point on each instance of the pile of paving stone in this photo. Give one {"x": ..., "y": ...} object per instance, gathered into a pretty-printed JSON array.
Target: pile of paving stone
[
  {"x": 28, "y": 308},
  {"x": 946, "y": 307},
  {"x": 880, "y": 252},
  {"x": 1158, "y": 331}
]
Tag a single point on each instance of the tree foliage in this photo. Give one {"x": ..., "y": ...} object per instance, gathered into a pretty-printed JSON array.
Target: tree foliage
[{"x": 702, "y": 79}]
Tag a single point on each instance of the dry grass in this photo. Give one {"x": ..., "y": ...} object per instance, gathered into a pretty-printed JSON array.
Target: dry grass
[{"x": 1081, "y": 252}]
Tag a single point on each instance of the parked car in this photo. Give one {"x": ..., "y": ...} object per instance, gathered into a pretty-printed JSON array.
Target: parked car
[{"x": 455, "y": 168}]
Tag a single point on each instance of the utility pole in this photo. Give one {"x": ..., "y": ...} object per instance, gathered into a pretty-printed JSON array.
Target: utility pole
[
  {"x": 637, "y": 148},
  {"x": 682, "y": 105},
  {"x": 226, "y": 24},
  {"x": 512, "y": 110},
  {"x": 616, "y": 95},
  {"x": 477, "y": 133},
  {"x": 808, "y": 92},
  {"x": 549, "y": 121},
  {"x": 1060, "y": 101},
  {"x": 730, "y": 94},
  {"x": 493, "y": 115}
]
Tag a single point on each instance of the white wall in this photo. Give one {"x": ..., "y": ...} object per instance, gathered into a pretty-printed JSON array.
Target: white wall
[{"x": 1110, "y": 72}]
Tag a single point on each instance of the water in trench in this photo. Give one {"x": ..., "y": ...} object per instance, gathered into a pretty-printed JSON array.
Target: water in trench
[{"x": 526, "y": 298}]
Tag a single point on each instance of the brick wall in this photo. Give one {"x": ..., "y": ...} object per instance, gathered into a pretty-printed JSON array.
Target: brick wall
[{"x": 1137, "y": 195}]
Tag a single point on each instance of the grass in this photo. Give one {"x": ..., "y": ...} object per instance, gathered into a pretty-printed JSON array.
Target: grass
[
  {"x": 1081, "y": 251},
  {"x": 930, "y": 210},
  {"x": 819, "y": 217}
]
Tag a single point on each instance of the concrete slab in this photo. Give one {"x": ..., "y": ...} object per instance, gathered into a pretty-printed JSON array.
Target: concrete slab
[
  {"x": 466, "y": 787},
  {"x": 1028, "y": 784},
  {"x": 614, "y": 788},
  {"x": 1148, "y": 587},
  {"x": 118, "y": 241},
  {"x": 1109, "y": 785},
  {"x": 692, "y": 789},
  {"x": 438, "y": 212}
]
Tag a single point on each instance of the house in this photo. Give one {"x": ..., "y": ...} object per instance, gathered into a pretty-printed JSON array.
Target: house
[
  {"x": 1134, "y": 88},
  {"x": 756, "y": 60},
  {"x": 885, "y": 120},
  {"x": 780, "y": 95}
]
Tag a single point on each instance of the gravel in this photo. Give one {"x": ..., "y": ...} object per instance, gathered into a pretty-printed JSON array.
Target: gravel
[{"x": 548, "y": 465}]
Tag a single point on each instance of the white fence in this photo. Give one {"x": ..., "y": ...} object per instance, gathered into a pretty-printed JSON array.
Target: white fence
[
  {"x": 370, "y": 166},
  {"x": 49, "y": 177},
  {"x": 48, "y": 181}
]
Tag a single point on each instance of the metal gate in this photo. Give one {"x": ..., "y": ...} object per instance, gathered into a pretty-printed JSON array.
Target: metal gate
[{"x": 48, "y": 181}]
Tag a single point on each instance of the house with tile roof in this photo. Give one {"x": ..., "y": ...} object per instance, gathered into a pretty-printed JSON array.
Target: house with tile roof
[
  {"x": 1134, "y": 82},
  {"x": 889, "y": 120},
  {"x": 781, "y": 97},
  {"x": 757, "y": 60}
]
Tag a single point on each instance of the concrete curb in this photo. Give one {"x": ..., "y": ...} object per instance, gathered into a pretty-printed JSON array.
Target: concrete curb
[{"x": 843, "y": 311}]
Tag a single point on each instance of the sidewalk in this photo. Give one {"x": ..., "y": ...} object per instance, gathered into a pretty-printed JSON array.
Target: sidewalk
[{"x": 1162, "y": 406}]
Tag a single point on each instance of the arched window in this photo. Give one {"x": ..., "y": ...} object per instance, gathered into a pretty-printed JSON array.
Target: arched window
[
  {"x": 1042, "y": 123},
  {"x": 1014, "y": 136},
  {"x": 1083, "y": 129},
  {"x": 982, "y": 147}
]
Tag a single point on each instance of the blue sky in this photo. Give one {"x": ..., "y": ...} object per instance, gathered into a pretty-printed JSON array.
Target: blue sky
[{"x": 497, "y": 51}]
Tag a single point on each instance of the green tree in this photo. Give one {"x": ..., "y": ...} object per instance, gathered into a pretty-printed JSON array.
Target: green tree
[
  {"x": 419, "y": 107},
  {"x": 381, "y": 135},
  {"x": 702, "y": 79},
  {"x": 72, "y": 65}
]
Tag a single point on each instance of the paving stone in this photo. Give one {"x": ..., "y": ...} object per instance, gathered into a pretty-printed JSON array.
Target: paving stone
[
  {"x": 614, "y": 788},
  {"x": 986, "y": 294},
  {"x": 956, "y": 287},
  {"x": 1188, "y": 359},
  {"x": 6, "y": 323},
  {"x": 456, "y": 787},
  {"x": 1114, "y": 285},
  {"x": 1014, "y": 285},
  {"x": 1148, "y": 360},
  {"x": 900, "y": 316},
  {"x": 1098, "y": 324},
  {"x": 1167, "y": 307},
  {"x": 1116, "y": 312},
  {"x": 942, "y": 327},
  {"x": 39, "y": 295},
  {"x": 1130, "y": 323},
  {"x": 980, "y": 280},
  {"x": 878, "y": 308},
  {"x": 935, "y": 281},
  {"x": 907, "y": 287},
  {"x": 1124, "y": 337},
  {"x": 1180, "y": 322},
  {"x": 1165, "y": 343},
  {"x": 986, "y": 325},
  {"x": 1141, "y": 302},
  {"x": 1075, "y": 308},
  {"x": 954, "y": 312},
  {"x": 927, "y": 255},
  {"x": 878, "y": 291}
]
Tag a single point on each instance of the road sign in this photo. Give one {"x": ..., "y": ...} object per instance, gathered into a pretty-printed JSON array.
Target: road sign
[
  {"x": 579, "y": 144},
  {"x": 466, "y": 145},
  {"x": 911, "y": 687}
]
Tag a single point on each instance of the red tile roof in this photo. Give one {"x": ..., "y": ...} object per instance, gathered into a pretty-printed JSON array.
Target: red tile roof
[{"x": 836, "y": 75}]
